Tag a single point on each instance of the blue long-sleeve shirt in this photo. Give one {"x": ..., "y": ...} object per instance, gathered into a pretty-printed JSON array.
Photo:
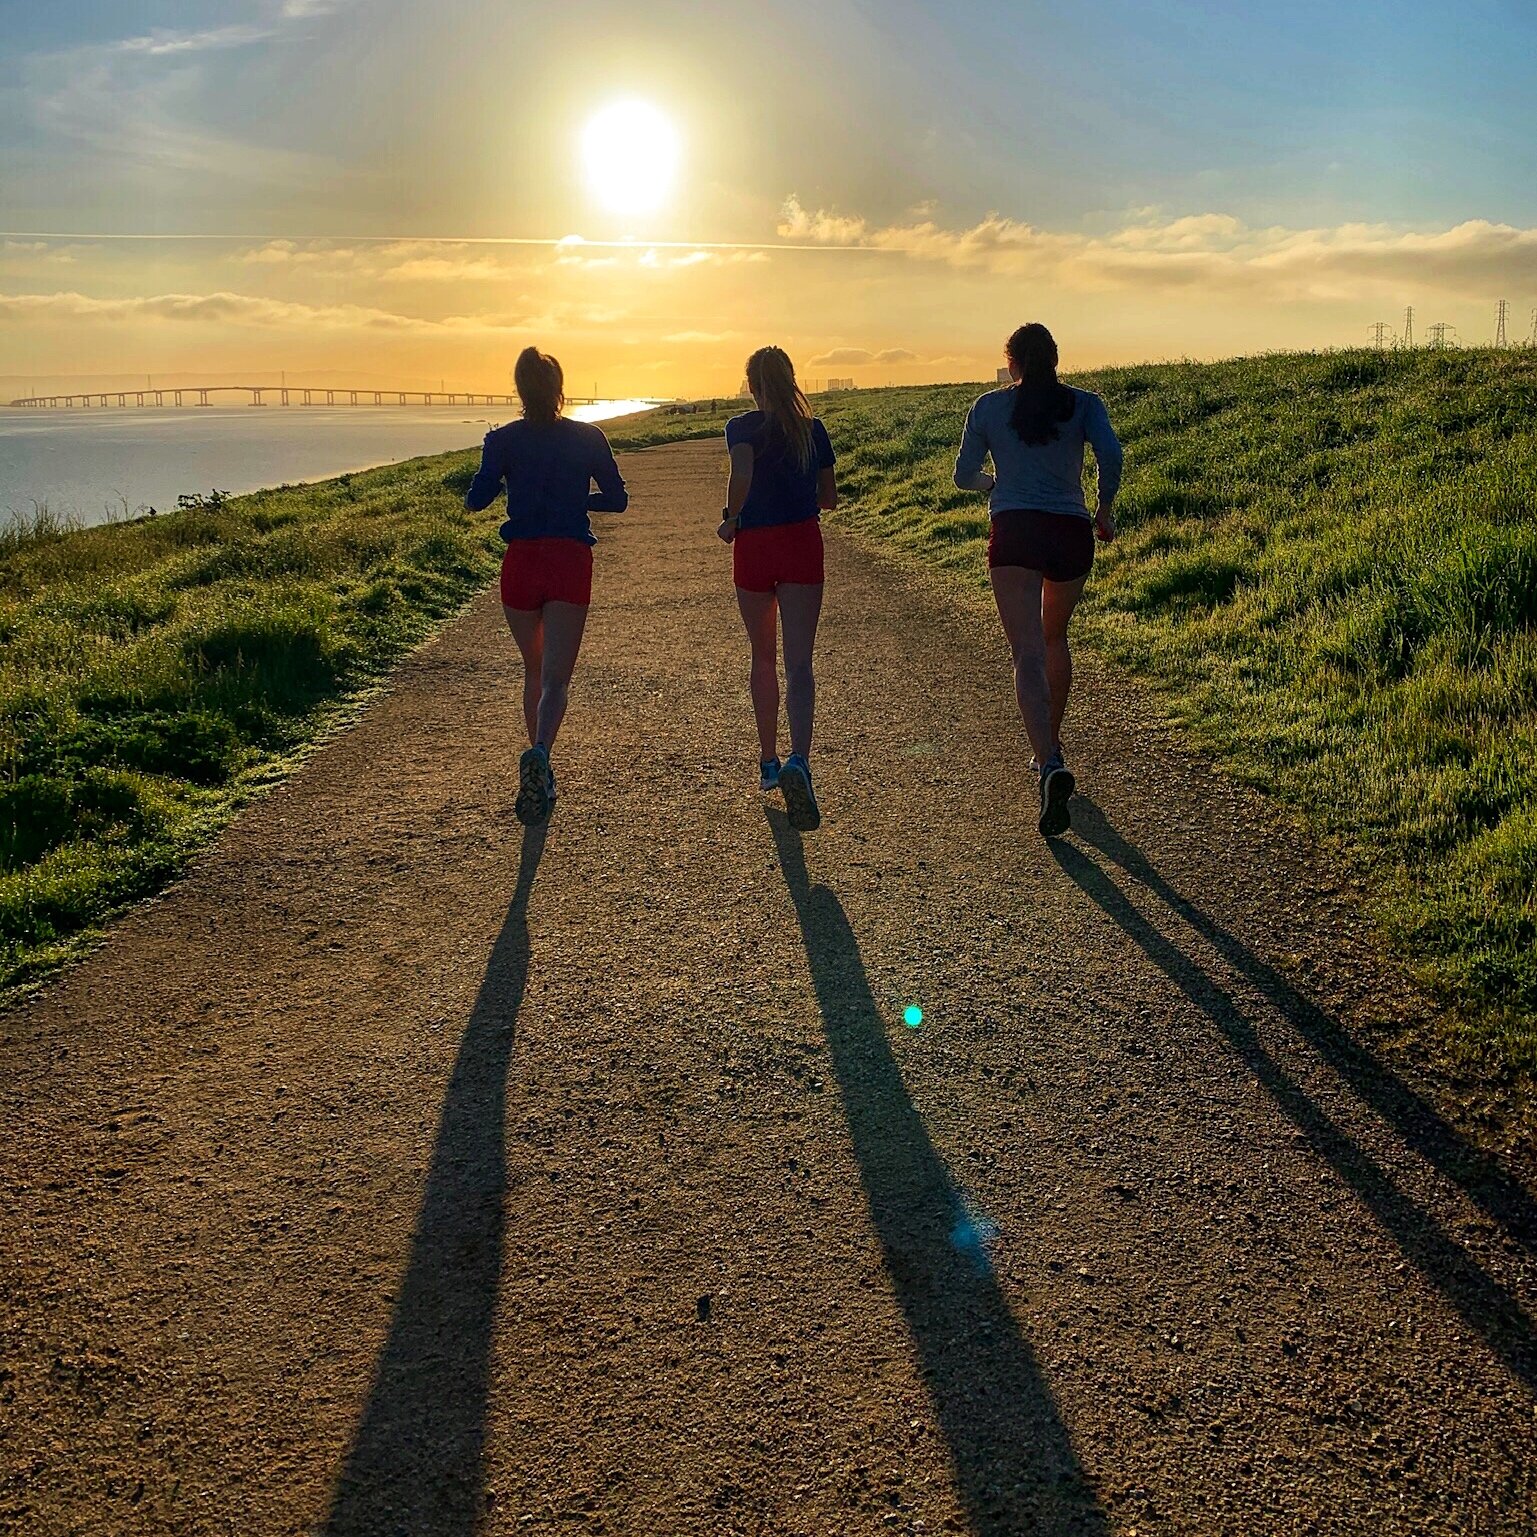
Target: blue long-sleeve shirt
[
  {"x": 548, "y": 469},
  {"x": 1047, "y": 477}
]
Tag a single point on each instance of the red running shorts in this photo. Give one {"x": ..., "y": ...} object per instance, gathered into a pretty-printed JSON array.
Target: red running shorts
[
  {"x": 762, "y": 558},
  {"x": 540, "y": 571}
]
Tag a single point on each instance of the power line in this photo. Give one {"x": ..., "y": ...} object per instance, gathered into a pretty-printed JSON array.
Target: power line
[{"x": 1499, "y": 324}]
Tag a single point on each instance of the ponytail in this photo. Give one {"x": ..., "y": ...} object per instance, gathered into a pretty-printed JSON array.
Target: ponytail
[
  {"x": 541, "y": 385},
  {"x": 1041, "y": 403},
  {"x": 771, "y": 377}
]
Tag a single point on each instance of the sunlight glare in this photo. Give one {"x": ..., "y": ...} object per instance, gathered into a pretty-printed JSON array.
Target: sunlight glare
[{"x": 630, "y": 151}]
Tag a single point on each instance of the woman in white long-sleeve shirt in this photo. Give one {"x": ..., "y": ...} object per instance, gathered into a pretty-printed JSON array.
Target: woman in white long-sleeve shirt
[{"x": 1042, "y": 542}]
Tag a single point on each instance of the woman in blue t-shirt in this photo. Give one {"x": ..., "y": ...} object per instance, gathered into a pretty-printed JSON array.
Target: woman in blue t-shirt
[
  {"x": 549, "y": 465},
  {"x": 781, "y": 482}
]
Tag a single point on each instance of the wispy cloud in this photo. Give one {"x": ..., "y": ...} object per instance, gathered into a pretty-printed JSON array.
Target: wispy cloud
[
  {"x": 222, "y": 309},
  {"x": 699, "y": 338},
  {"x": 1202, "y": 253},
  {"x": 160, "y": 44},
  {"x": 855, "y": 356},
  {"x": 30, "y": 251},
  {"x": 143, "y": 102}
]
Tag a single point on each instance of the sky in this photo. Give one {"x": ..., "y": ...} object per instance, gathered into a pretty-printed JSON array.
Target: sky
[{"x": 396, "y": 192}]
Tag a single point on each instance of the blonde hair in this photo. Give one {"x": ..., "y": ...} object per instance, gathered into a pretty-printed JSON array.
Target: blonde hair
[
  {"x": 541, "y": 385},
  {"x": 771, "y": 378}
]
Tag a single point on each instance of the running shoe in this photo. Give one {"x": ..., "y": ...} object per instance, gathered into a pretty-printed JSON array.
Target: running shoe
[
  {"x": 1057, "y": 785},
  {"x": 536, "y": 788},
  {"x": 768, "y": 773},
  {"x": 800, "y": 799}
]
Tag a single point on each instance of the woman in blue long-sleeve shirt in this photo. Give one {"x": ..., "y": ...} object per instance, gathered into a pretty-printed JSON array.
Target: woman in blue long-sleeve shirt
[
  {"x": 548, "y": 465},
  {"x": 1042, "y": 541}
]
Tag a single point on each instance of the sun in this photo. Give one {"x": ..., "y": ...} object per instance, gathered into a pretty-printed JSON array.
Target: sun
[{"x": 631, "y": 152}]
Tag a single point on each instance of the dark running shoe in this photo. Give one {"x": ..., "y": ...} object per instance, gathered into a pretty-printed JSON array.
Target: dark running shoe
[
  {"x": 1057, "y": 785},
  {"x": 768, "y": 774},
  {"x": 536, "y": 788},
  {"x": 800, "y": 799}
]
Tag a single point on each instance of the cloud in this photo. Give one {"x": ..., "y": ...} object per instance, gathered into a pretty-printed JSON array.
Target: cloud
[
  {"x": 142, "y": 101},
  {"x": 854, "y": 356},
  {"x": 1203, "y": 253},
  {"x": 160, "y": 43},
  {"x": 26, "y": 251},
  {"x": 441, "y": 269},
  {"x": 697, "y": 338},
  {"x": 238, "y": 309},
  {"x": 821, "y": 228},
  {"x": 291, "y": 253}
]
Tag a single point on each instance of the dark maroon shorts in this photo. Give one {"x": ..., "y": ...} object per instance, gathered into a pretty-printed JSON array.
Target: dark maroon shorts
[{"x": 1060, "y": 545}]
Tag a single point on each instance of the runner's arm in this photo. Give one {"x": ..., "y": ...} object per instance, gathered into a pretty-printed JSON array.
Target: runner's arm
[
  {"x": 969, "y": 474},
  {"x": 827, "y": 481},
  {"x": 487, "y": 484},
  {"x": 740, "y": 482},
  {"x": 611, "y": 495},
  {"x": 1108, "y": 454}
]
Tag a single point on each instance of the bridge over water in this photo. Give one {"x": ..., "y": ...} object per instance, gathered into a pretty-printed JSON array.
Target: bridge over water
[{"x": 273, "y": 394}]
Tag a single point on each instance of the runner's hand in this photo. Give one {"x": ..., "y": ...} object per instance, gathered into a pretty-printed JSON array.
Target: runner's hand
[
  {"x": 727, "y": 530},
  {"x": 1104, "y": 525}
]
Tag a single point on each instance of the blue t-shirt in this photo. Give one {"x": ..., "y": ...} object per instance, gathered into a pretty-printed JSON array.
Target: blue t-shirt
[
  {"x": 781, "y": 491},
  {"x": 548, "y": 469}
]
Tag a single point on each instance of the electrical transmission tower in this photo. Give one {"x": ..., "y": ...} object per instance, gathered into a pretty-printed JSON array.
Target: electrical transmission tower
[
  {"x": 1380, "y": 330},
  {"x": 1531, "y": 340},
  {"x": 1409, "y": 326},
  {"x": 1499, "y": 324},
  {"x": 1437, "y": 334}
]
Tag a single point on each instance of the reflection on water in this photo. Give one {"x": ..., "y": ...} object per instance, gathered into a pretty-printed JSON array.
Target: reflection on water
[{"x": 101, "y": 463}]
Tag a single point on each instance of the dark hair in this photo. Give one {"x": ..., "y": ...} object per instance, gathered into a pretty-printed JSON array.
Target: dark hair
[
  {"x": 771, "y": 377},
  {"x": 541, "y": 385},
  {"x": 1040, "y": 402}
]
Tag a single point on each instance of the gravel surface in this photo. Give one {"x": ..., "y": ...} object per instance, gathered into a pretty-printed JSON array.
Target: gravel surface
[{"x": 399, "y": 1172}]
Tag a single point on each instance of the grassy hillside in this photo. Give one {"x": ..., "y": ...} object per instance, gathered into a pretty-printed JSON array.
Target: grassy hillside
[
  {"x": 152, "y": 674},
  {"x": 1328, "y": 572}
]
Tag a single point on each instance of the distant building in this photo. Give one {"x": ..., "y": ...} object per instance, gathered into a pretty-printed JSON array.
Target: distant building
[
  {"x": 1005, "y": 377},
  {"x": 840, "y": 384}
]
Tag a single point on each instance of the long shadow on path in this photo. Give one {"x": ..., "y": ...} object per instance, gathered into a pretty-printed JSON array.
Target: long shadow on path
[
  {"x": 1014, "y": 1460},
  {"x": 1484, "y": 1303},
  {"x": 416, "y": 1467}
]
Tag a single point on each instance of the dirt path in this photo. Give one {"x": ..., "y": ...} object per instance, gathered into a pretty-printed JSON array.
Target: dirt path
[{"x": 399, "y": 1174}]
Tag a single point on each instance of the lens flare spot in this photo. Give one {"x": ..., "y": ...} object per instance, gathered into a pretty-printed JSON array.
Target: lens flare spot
[{"x": 912, "y": 1016}]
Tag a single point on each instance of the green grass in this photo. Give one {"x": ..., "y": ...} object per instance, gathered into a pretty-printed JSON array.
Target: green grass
[
  {"x": 1328, "y": 575},
  {"x": 152, "y": 674}
]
